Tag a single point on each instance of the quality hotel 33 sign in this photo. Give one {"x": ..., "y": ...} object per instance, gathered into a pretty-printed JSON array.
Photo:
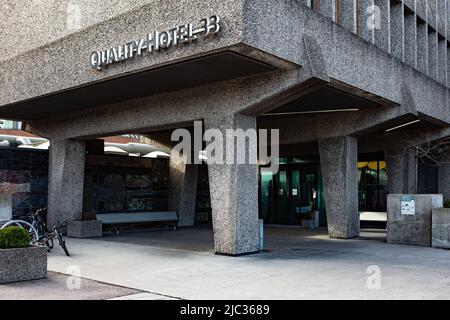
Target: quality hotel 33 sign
[{"x": 155, "y": 41}]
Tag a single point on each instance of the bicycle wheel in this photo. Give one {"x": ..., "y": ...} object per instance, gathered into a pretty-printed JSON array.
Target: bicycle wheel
[
  {"x": 61, "y": 241},
  {"x": 34, "y": 235}
]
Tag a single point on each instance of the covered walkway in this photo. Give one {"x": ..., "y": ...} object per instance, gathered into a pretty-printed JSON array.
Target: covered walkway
[{"x": 298, "y": 265}]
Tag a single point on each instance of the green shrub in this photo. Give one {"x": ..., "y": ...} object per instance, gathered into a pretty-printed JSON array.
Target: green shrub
[
  {"x": 447, "y": 204},
  {"x": 14, "y": 237}
]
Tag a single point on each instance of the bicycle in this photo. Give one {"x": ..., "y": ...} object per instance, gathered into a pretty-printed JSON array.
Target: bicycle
[{"x": 39, "y": 233}]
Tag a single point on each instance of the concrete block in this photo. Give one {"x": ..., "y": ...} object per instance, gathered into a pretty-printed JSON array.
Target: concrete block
[
  {"x": 414, "y": 229},
  {"x": 23, "y": 264},
  {"x": 440, "y": 233},
  {"x": 85, "y": 229}
]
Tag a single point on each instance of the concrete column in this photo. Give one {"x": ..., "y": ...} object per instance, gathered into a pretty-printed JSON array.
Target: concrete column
[
  {"x": 234, "y": 191},
  {"x": 183, "y": 190},
  {"x": 443, "y": 181},
  {"x": 66, "y": 181},
  {"x": 422, "y": 47},
  {"x": 411, "y": 39},
  {"x": 397, "y": 30},
  {"x": 339, "y": 162},
  {"x": 448, "y": 66},
  {"x": 432, "y": 54},
  {"x": 442, "y": 66},
  {"x": 327, "y": 8},
  {"x": 182, "y": 179},
  {"x": 364, "y": 14},
  {"x": 401, "y": 166},
  {"x": 382, "y": 35},
  {"x": 348, "y": 15}
]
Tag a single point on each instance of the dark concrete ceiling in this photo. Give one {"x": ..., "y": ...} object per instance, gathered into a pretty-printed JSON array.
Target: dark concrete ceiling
[
  {"x": 200, "y": 71},
  {"x": 324, "y": 98}
]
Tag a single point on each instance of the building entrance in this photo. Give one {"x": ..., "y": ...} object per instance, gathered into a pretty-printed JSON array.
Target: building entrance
[{"x": 293, "y": 194}]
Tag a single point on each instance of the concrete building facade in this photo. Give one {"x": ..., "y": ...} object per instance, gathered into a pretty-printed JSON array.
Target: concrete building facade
[{"x": 339, "y": 79}]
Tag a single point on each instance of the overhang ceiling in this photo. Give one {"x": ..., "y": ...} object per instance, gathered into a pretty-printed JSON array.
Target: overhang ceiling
[
  {"x": 200, "y": 71},
  {"x": 322, "y": 99}
]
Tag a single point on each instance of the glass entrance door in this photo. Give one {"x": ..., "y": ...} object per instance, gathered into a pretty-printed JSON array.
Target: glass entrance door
[{"x": 289, "y": 194}]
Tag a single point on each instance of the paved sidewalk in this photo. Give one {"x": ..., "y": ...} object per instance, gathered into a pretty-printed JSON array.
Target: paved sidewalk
[
  {"x": 55, "y": 288},
  {"x": 299, "y": 265}
]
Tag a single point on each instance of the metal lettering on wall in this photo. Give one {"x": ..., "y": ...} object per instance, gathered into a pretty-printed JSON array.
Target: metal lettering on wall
[{"x": 156, "y": 41}]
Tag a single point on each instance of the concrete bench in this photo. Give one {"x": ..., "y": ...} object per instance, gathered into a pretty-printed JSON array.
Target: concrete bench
[{"x": 138, "y": 217}]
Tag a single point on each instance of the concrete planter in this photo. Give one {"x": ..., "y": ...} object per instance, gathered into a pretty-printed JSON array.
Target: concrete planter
[
  {"x": 23, "y": 264},
  {"x": 413, "y": 228},
  {"x": 440, "y": 235},
  {"x": 85, "y": 229}
]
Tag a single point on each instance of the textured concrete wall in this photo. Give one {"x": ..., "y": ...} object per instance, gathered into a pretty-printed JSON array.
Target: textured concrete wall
[
  {"x": 28, "y": 25},
  {"x": 253, "y": 28},
  {"x": 411, "y": 229},
  {"x": 338, "y": 160}
]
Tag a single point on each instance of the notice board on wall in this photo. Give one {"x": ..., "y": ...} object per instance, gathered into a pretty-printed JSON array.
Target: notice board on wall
[{"x": 408, "y": 205}]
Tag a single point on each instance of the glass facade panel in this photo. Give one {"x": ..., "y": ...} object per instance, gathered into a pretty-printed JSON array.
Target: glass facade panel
[{"x": 372, "y": 185}]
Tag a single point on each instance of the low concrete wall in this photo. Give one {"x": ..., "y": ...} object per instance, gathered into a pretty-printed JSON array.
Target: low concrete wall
[
  {"x": 441, "y": 228},
  {"x": 23, "y": 264},
  {"x": 415, "y": 228}
]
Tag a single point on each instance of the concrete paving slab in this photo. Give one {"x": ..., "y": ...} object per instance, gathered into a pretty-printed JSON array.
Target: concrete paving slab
[
  {"x": 55, "y": 287},
  {"x": 299, "y": 264}
]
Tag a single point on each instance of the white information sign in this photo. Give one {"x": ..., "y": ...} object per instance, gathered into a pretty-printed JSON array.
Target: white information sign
[{"x": 408, "y": 205}]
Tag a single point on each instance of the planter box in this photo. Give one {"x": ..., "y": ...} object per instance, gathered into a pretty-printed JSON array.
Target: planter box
[
  {"x": 440, "y": 235},
  {"x": 411, "y": 223},
  {"x": 23, "y": 264},
  {"x": 85, "y": 229}
]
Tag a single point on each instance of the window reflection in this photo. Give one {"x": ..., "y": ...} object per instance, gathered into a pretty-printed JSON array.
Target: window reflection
[{"x": 372, "y": 185}]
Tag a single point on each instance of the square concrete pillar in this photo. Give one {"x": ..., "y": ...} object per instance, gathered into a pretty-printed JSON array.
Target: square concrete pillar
[
  {"x": 382, "y": 34},
  {"x": 182, "y": 178},
  {"x": 397, "y": 30},
  {"x": 443, "y": 181},
  {"x": 410, "y": 44},
  {"x": 339, "y": 162},
  {"x": 411, "y": 227},
  {"x": 422, "y": 47},
  {"x": 66, "y": 181},
  {"x": 364, "y": 20},
  {"x": 183, "y": 190},
  {"x": 327, "y": 8},
  {"x": 234, "y": 191},
  {"x": 401, "y": 170},
  {"x": 347, "y": 15}
]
